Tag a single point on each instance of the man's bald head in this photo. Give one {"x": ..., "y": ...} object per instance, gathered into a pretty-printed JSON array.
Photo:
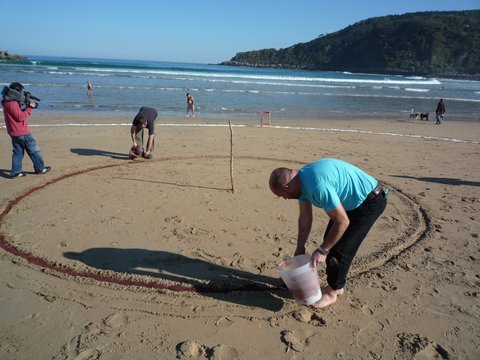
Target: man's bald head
[
  {"x": 285, "y": 183},
  {"x": 279, "y": 177}
]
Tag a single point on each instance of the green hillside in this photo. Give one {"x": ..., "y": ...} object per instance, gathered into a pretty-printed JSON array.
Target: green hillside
[{"x": 423, "y": 43}]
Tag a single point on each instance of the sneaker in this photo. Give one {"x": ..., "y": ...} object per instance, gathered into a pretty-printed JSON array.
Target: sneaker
[
  {"x": 44, "y": 171},
  {"x": 17, "y": 175}
]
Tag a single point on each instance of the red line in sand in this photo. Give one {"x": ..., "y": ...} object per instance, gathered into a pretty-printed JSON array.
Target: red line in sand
[{"x": 43, "y": 263}]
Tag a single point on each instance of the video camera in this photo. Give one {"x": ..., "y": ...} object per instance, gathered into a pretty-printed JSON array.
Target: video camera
[
  {"x": 24, "y": 98},
  {"x": 29, "y": 98}
]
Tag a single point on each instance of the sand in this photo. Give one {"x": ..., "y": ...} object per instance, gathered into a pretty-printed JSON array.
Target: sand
[{"x": 107, "y": 258}]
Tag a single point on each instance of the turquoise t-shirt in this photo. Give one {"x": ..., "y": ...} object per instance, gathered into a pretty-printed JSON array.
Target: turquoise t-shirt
[{"x": 326, "y": 183}]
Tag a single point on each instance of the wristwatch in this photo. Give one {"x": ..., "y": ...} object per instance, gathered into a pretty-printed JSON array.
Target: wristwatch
[{"x": 322, "y": 250}]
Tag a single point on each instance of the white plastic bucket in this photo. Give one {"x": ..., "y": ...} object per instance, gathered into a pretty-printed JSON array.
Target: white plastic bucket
[{"x": 301, "y": 279}]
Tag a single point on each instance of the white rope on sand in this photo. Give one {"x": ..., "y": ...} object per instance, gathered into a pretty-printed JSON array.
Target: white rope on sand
[{"x": 424, "y": 137}]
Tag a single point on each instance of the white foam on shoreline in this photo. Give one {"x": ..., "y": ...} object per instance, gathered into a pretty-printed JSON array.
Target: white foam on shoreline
[
  {"x": 379, "y": 133},
  {"x": 272, "y": 127}
]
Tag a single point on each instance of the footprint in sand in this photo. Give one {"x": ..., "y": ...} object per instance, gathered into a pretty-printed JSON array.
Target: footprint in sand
[
  {"x": 81, "y": 347},
  {"x": 78, "y": 347},
  {"x": 306, "y": 316},
  {"x": 190, "y": 348},
  {"x": 303, "y": 315},
  {"x": 452, "y": 334},
  {"x": 224, "y": 352},
  {"x": 388, "y": 286},
  {"x": 89, "y": 354},
  {"x": 432, "y": 352},
  {"x": 356, "y": 303},
  {"x": 174, "y": 219},
  {"x": 291, "y": 340},
  {"x": 197, "y": 231},
  {"x": 368, "y": 336},
  {"x": 224, "y": 321},
  {"x": 116, "y": 321},
  {"x": 414, "y": 346}
]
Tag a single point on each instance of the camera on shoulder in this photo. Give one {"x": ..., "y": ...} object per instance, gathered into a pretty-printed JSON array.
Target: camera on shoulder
[
  {"x": 31, "y": 100},
  {"x": 15, "y": 92}
]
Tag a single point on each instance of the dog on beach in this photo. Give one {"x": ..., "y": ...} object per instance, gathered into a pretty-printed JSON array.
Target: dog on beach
[
  {"x": 417, "y": 116},
  {"x": 424, "y": 116},
  {"x": 413, "y": 115}
]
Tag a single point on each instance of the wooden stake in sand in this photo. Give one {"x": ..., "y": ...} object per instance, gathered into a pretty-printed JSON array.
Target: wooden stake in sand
[{"x": 231, "y": 155}]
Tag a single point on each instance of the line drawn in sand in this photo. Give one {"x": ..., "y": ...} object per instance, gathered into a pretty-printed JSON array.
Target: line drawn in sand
[{"x": 232, "y": 279}]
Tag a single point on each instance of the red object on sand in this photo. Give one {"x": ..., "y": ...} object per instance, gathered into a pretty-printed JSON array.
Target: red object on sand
[{"x": 137, "y": 150}]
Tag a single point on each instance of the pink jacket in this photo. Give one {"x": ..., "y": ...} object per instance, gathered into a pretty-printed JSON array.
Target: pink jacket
[{"x": 16, "y": 118}]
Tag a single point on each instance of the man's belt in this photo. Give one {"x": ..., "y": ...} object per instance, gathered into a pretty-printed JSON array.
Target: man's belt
[{"x": 375, "y": 192}]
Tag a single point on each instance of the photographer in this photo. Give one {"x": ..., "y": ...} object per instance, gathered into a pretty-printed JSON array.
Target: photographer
[{"x": 17, "y": 107}]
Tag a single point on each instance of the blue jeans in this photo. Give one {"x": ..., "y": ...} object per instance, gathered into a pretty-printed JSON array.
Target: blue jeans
[
  {"x": 439, "y": 118},
  {"x": 20, "y": 145}
]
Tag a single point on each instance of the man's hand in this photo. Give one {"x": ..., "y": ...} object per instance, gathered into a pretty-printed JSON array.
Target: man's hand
[{"x": 317, "y": 258}]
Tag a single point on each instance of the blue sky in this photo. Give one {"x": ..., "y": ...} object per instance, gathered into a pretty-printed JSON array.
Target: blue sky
[{"x": 208, "y": 31}]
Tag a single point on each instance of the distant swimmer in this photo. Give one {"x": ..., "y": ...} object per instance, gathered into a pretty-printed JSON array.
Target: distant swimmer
[
  {"x": 89, "y": 88},
  {"x": 190, "y": 104}
]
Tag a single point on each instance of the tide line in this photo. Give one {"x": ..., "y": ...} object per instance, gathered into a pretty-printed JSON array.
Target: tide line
[
  {"x": 424, "y": 137},
  {"x": 379, "y": 133}
]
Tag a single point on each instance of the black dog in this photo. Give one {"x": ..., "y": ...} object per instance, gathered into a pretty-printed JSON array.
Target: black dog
[{"x": 424, "y": 116}]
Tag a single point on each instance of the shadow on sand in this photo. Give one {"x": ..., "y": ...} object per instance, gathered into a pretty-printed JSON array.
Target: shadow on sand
[
  {"x": 209, "y": 279},
  {"x": 5, "y": 173},
  {"x": 446, "y": 181},
  {"x": 176, "y": 184},
  {"x": 94, "y": 152}
]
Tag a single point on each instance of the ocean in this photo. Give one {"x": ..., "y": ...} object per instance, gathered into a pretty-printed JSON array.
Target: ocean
[{"x": 230, "y": 92}]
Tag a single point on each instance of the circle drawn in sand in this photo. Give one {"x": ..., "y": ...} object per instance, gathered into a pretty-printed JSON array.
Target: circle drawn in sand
[{"x": 180, "y": 228}]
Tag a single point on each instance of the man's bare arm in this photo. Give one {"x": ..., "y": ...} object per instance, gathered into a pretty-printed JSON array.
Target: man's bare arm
[
  {"x": 304, "y": 226},
  {"x": 340, "y": 221},
  {"x": 132, "y": 134}
]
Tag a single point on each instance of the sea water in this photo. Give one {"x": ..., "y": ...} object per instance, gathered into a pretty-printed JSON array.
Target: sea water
[{"x": 230, "y": 92}]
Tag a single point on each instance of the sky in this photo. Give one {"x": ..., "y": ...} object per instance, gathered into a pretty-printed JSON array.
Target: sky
[{"x": 206, "y": 32}]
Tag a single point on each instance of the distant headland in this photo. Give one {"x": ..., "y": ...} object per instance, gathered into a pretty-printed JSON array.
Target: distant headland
[
  {"x": 5, "y": 55},
  {"x": 440, "y": 44}
]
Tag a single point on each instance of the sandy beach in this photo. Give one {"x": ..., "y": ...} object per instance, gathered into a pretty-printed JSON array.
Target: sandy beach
[{"x": 108, "y": 258}]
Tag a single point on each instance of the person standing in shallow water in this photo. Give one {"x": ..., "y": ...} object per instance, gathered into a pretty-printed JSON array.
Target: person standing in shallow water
[
  {"x": 353, "y": 201},
  {"x": 190, "y": 104},
  {"x": 89, "y": 88}
]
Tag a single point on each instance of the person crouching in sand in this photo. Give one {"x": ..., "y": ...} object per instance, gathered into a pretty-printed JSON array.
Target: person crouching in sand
[
  {"x": 352, "y": 199},
  {"x": 142, "y": 132}
]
